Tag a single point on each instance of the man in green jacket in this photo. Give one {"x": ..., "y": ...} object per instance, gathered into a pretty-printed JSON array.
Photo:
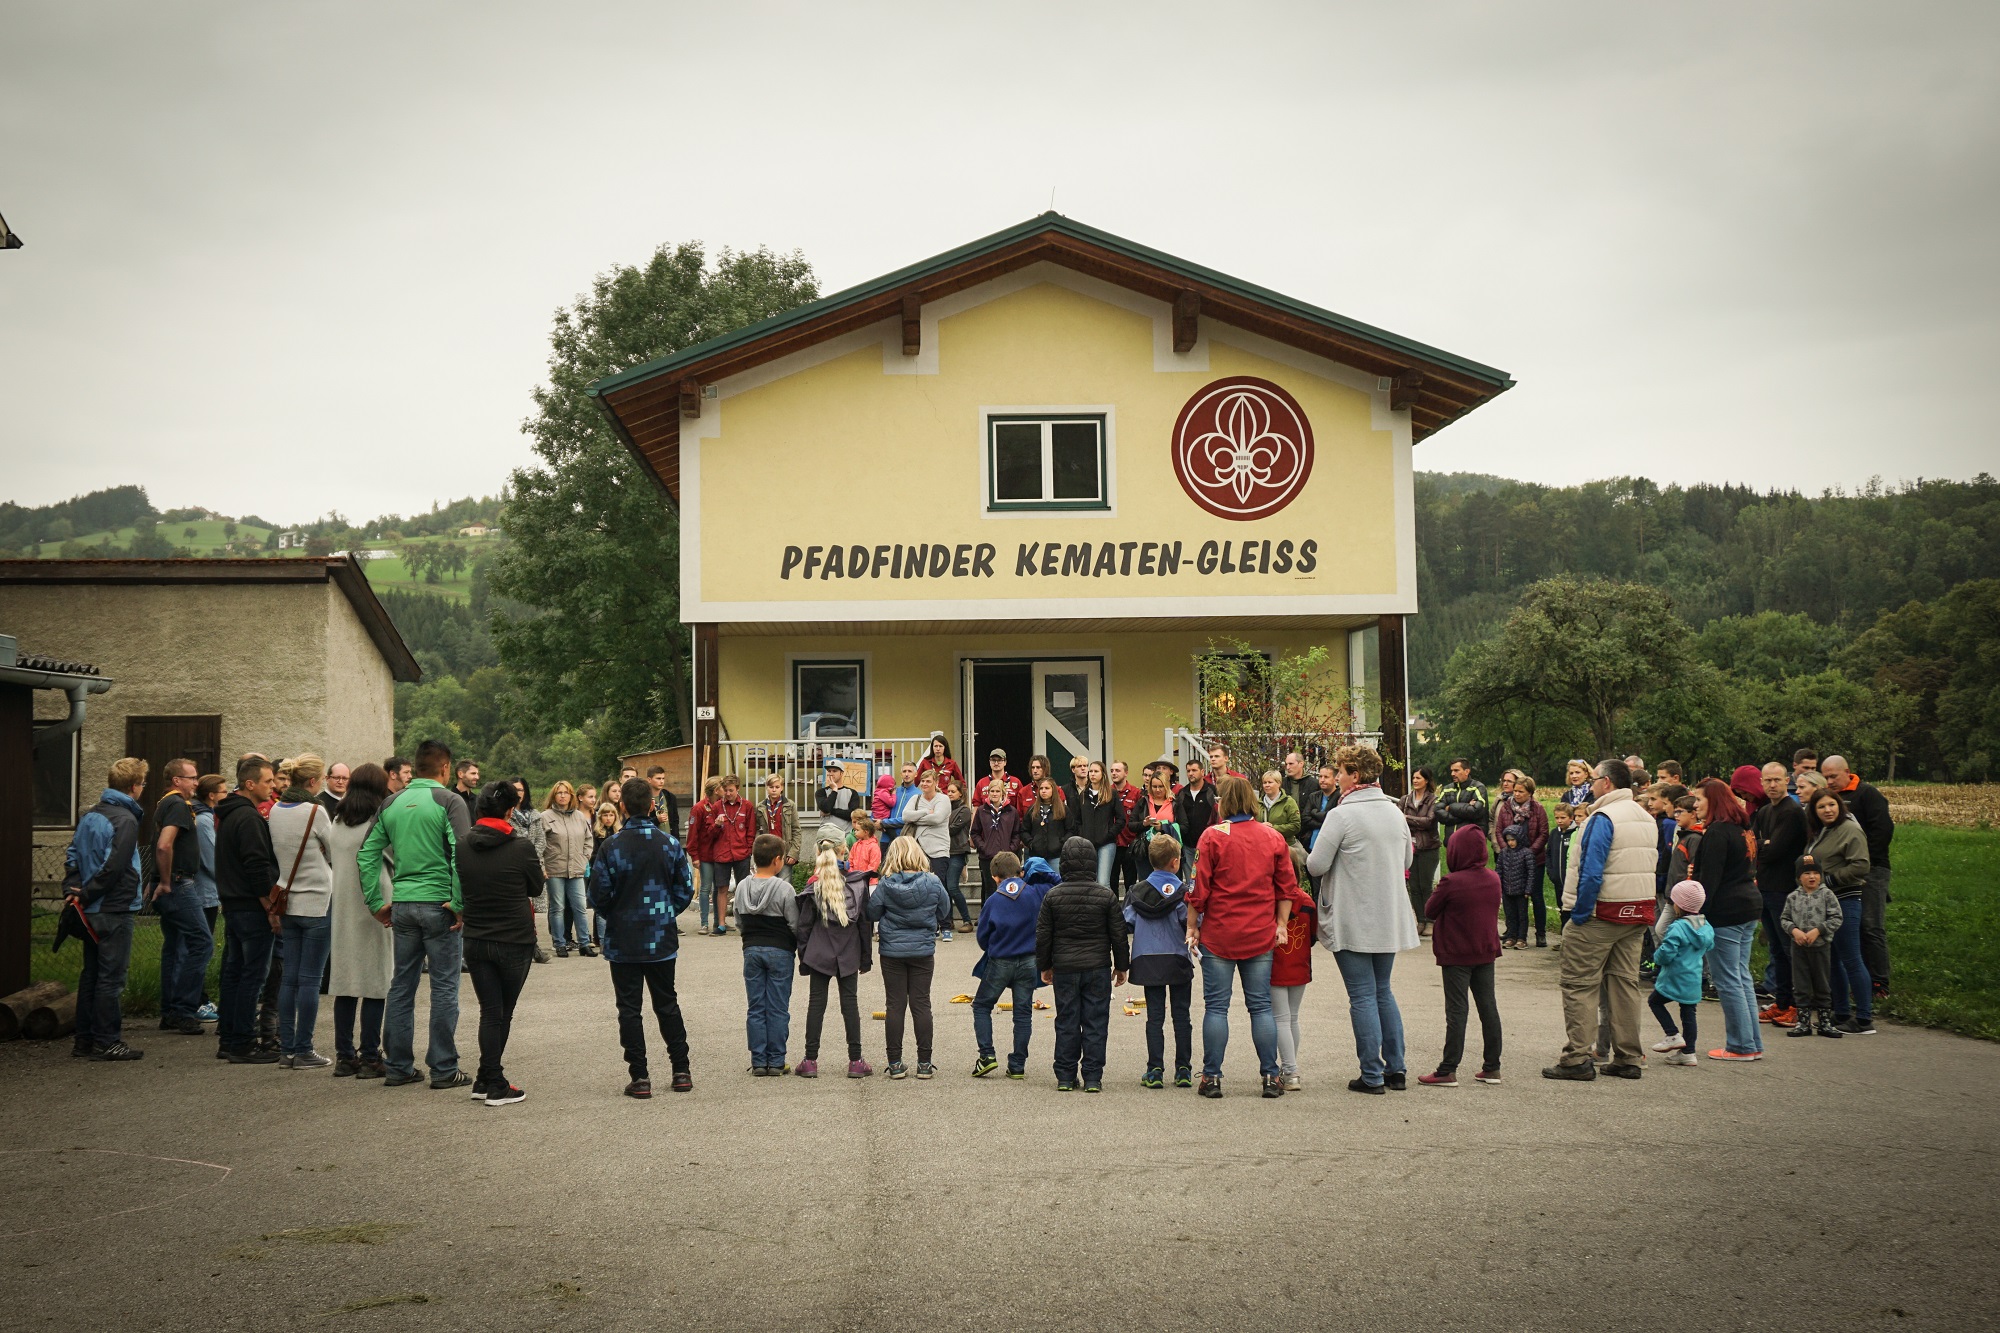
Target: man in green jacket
[{"x": 418, "y": 834}]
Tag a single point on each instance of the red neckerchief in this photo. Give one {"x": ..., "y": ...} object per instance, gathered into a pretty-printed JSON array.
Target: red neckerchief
[
  {"x": 775, "y": 807},
  {"x": 497, "y": 825}
]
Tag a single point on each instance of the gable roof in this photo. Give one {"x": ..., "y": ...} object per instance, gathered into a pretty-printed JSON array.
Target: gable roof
[
  {"x": 337, "y": 569},
  {"x": 646, "y": 402}
]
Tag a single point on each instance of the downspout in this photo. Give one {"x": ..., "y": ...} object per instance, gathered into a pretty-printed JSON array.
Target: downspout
[{"x": 79, "y": 695}]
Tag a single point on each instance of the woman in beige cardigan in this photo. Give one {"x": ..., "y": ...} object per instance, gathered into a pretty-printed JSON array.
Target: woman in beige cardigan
[{"x": 566, "y": 843}]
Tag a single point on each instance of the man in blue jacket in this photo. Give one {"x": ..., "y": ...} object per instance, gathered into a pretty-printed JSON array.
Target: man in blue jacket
[
  {"x": 639, "y": 883},
  {"x": 1006, "y": 936},
  {"x": 101, "y": 880}
]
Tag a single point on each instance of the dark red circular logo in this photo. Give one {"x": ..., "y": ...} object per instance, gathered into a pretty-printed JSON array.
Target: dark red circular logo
[{"x": 1242, "y": 448}]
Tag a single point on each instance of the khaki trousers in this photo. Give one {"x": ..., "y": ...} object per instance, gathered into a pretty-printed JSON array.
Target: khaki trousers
[{"x": 1601, "y": 957}]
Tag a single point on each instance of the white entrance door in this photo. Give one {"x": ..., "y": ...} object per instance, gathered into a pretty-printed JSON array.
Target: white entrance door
[{"x": 1068, "y": 705}]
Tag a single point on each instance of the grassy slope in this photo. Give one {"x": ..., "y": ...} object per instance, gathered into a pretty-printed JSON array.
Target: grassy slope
[
  {"x": 386, "y": 573},
  {"x": 1944, "y": 929}
]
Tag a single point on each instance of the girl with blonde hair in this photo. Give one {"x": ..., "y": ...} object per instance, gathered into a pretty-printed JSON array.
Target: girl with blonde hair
[
  {"x": 913, "y": 907},
  {"x": 833, "y": 949}
]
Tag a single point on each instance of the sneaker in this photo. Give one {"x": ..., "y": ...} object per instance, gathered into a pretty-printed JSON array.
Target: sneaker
[
  {"x": 1396, "y": 1082},
  {"x": 925, "y": 1069},
  {"x": 946, "y": 937},
  {"x": 1363, "y": 1085},
  {"x": 371, "y": 1069},
  {"x": 1623, "y": 1071},
  {"x": 1856, "y": 1027},
  {"x": 1580, "y": 1072},
  {"x": 252, "y": 1055},
  {"x": 758, "y": 1071},
  {"x": 1093, "y": 1087},
  {"x": 207, "y": 1013},
  {"x": 983, "y": 1066},
  {"x": 1745, "y": 1056},
  {"x": 562, "y": 953},
  {"x": 859, "y": 1069},
  {"x": 80, "y": 1050},
  {"x": 641, "y": 1088},
  {"x": 1674, "y": 1043},
  {"x": 479, "y": 1090},
  {"x": 309, "y": 1059},
  {"x": 346, "y": 1066},
  {"x": 1488, "y": 1076},
  {"x": 1210, "y": 1085},
  {"x": 682, "y": 1082},
  {"x": 588, "y": 950},
  {"x": 458, "y": 1079},
  {"x": 1016, "y": 1072},
  {"x": 1802, "y": 1028},
  {"x": 1065, "y": 1087},
  {"x": 117, "y": 1051},
  {"x": 542, "y": 955},
  {"x": 1273, "y": 1086},
  {"x": 504, "y": 1093},
  {"x": 1541, "y": 942},
  {"x": 807, "y": 1069},
  {"x": 702, "y": 931},
  {"x": 1441, "y": 1079},
  {"x": 1683, "y": 1058},
  {"x": 1784, "y": 1018},
  {"x": 1152, "y": 1078},
  {"x": 185, "y": 1026},
  {"x": 1183, "y": 1076},
  {"x": 1292, "y": 1083},
  {"x": 1764, "y": 1014},
  {"x": 401, "y": 1080},
  {"x": 897, "y": 1069}
]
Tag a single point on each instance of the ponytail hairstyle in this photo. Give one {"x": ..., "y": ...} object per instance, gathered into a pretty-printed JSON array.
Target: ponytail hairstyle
[{"x": 829, "y": 884}]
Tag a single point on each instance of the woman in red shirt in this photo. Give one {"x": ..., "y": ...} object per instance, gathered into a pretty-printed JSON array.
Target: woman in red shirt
[
  {"x": 1244, "y": 888},
  {"x": 940, "y": 759}
]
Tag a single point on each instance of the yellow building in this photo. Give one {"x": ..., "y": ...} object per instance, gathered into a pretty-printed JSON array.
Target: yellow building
[{"x": 1042, "y": 471}]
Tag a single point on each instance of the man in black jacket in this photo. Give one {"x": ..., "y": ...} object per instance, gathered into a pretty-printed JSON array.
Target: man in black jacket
[
  {"x": 1463, "y": 802},
  {"x": 246, "y": 870},
  {"x": 1781, "y": 839},
  {"x": 1870, "y": 809},
  {"x": 1079, "y": 945},
  {"x": 1194, "y": 811}
]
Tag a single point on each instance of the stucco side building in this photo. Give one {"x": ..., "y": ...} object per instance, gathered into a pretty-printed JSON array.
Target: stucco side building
[{"x": 212, "y": 658}]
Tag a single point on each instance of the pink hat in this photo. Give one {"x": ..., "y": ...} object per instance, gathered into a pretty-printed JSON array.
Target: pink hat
[{"x": 1688, "y": 897}]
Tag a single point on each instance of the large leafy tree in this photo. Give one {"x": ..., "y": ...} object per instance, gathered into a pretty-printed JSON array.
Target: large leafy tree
[
  {"x": 592, "y": 564},
  {"x": 1591, "y": 648}
]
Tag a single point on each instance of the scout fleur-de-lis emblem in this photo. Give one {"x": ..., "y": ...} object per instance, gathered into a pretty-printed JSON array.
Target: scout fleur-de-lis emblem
[{"x": 1242, "y": 448}]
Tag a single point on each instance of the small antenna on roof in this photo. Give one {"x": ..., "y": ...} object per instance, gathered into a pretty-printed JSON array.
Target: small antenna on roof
[{"x": 1052, "y": 199}]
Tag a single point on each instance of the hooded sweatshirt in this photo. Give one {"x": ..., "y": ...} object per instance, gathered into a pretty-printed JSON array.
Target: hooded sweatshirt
[
  {"x": 1080, "y": 928},
  {"x": 1464, "y": 907},
  {"x": 767, "y": 913},
  {"x": 1678, "y": 958},
  {"x": 245, "y": 867},
  {"x": 1156, "y": 908},
  {"x": 1007, "y": 919},
  {"x": 499, "y": 876},
  {"x": 912, "y": 907}
]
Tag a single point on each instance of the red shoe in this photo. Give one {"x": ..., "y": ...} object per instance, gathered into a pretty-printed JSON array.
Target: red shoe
[
  {"x": 1764, "y": 1014},
  {"x": 1783, "y": 1018},
  {"x": 1735, "y": 1055},
  {"x": 1438, "y": 1080}
]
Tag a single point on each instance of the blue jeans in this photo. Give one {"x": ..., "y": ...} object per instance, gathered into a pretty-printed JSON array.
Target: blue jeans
[
  {"x": 1083, "y": 1024},
  {"x": 1853, "y": 988},
  {"x": 423, "y": 932},
  {"x": 767, "y": 981},
  {"x": 1002, "y": 975},
  {"x": 707, "y": 890},
  {"x": 566, "y": 909},
  {"x": 100, "y": 987},
  {"x": 1371, "y": 1008},
  {"x": 1218, "y": 977},
  {"x": 1107, "y": 857},
  {"x": 1731, "y": 960},
  {"x": 246, "y": 958},
  {"x": 954, "y": 887},
  {"x": 307, "y": 940},
  {"x": 185, "y": 948}
]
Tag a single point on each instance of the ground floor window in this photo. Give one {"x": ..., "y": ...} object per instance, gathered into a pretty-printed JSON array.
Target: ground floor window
[
  {"x": 827, "y": 699},
  {"x": 55, "y": 781}
]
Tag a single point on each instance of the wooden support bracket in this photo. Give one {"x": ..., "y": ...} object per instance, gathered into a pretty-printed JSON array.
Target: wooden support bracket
[
  {"x": 1187, "y": 321},
  {"x": 691, "y": 400},
  {"x": 1404, "y": 389},
  {"x": 913, "y": 324}
]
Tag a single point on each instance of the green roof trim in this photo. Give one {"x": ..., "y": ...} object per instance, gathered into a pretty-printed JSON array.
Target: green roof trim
[{"x": 1049, "y": 222}]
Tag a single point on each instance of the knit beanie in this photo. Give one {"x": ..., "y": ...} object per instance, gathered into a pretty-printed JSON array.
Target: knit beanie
[{"x": 1688, "y": 897}]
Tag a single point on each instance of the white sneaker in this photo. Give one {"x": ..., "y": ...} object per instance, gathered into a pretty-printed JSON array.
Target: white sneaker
[
  {"x": 1674, "y": 1043},
  {"x": 1292, "y": 1083},
  {"x": 308, "y": 1060},
  {"x": 1683, "y": 1058}
]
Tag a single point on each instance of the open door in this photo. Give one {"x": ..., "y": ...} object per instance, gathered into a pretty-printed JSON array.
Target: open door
[{"x": 1068, "y": 699}]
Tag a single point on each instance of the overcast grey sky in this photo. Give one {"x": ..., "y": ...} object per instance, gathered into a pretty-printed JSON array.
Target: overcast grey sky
[{"x": 282, "y": 258}]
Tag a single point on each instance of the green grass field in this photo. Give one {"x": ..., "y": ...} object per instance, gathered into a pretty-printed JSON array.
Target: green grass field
[{"x": 388, "y": 572}]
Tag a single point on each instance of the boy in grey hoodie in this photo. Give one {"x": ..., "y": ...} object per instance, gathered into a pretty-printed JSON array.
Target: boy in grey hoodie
[
  {"x": 1811, "y": 918},
  {"x": 767, "y": 917}
]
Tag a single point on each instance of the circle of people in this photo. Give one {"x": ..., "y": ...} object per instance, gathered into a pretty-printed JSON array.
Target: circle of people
[{"x": 368, "y": 880}]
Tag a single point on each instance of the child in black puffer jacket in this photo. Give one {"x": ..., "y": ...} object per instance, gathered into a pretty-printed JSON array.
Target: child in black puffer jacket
[
  {"x": 1079, "y": 946},
  {"x": 1518, "y": 869}
]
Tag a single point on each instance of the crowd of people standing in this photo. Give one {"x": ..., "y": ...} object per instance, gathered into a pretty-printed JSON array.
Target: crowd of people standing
[{"x": 361, "y": 883}]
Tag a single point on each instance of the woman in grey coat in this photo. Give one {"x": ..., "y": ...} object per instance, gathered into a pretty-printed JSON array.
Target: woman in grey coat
[
  {"x": 364, "y": 952},
  {"x": 1359, "y": 862}
]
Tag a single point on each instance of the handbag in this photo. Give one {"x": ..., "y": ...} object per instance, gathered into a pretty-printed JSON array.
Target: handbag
[{"x": 274, "y": 906}]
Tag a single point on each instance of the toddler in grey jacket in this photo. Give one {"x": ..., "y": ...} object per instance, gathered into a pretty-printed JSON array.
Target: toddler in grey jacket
[{"x": 1811, "y": 918}]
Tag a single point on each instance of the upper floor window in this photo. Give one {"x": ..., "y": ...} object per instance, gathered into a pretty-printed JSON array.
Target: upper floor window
[{"x": 1046, "y": 462}]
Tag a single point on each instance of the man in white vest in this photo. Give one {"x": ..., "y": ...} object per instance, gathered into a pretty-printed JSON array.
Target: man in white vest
[{"x": 1608, "y": 896}]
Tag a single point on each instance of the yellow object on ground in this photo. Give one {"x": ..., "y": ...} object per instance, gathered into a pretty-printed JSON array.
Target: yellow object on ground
[{"x": 961, "y": 999}]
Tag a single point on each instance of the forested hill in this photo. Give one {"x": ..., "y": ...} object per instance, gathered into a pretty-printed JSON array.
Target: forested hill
[{"x": 1840, "y": 559}]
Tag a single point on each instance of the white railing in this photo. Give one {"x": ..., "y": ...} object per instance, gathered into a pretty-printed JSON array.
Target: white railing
[
  {"x": 1183, "y": 745},
  {"x": 802, "y": 764}
]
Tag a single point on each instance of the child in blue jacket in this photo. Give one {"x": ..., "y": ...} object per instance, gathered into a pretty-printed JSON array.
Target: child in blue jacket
[
  {"x": 1006, "y": 936},
  {"x": 1518, "y": 872},
  {"x": 1678, "y": 959},
  {"x": 1156, "y": 909}
]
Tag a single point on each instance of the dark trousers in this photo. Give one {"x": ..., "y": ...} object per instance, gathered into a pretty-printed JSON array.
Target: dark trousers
[
  {"x": 185, "y": 948},
  {"x": 1423, "y": 878},
  {"x": 1778, "y": 945},
  {"x": 1083, "y": 1023},
  {"x": 1875, "y": 925},
  {"x": 345, "y": 1008},
  {"x": 1181, "y": 994},
  {"x": 1658, "y": 1004},
  {"x": 628, "y": 980},
  {"x": 498, "y": 973},
  {"x": 1125, "y": 872},
  {"x": 908, "y": 984},
  {"x": 986, "y": 879},
  {"x": 850, "y": 1012},
  {"x": 1479, "y": 980},
  {"x": 1812, "y": 975},
  {"x": 100, "y": 987},
  {"x": 246, "y": 959},
  {"x": 1515, "y": 907},
  {"x": 1541, "y": 908},
  {"x": 267, "y": 999},
  {"x": 941, "y": 867}
]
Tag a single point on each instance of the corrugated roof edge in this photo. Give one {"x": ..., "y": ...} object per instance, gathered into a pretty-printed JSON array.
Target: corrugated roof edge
[{"x": 1499, "y": 379}]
